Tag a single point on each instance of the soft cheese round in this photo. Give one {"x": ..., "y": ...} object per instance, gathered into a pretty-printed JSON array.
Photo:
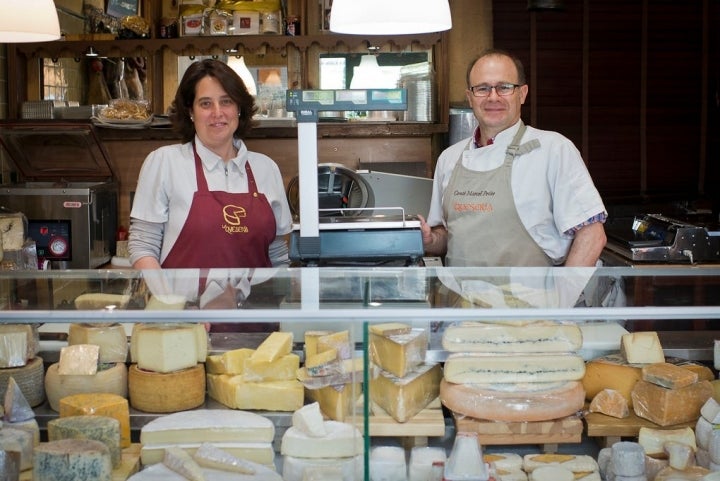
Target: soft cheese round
[
  {"x": 160, "y": 472},
  {"x": 208, "y": 425},
  {"x": 525, "y": 403}
]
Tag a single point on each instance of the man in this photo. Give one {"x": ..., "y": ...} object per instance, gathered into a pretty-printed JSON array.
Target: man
[{"x": 511, "y": 195}]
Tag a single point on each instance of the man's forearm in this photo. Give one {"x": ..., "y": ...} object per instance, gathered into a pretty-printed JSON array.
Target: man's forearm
[{"x": 587, "y": 246}]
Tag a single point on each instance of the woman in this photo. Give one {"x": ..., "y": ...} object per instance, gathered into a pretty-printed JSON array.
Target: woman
[{"x": 209, "y": 202}]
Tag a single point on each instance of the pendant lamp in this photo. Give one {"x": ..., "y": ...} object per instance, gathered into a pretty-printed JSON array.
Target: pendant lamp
[
  {"x": 238, "y": 65},
  {"x": 369, "y": 75},
  {"x": 389, "y": 17},
  {"x": 28, "y": 21}
]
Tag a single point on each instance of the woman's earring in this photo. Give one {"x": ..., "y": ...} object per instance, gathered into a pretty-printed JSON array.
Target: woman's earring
[{"x": 192, "y": 119}]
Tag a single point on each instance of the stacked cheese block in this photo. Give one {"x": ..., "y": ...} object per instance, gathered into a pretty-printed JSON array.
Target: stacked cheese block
[
  {"x": 668, "y": 394},
  {"x": 613, "y": 377},
  {"x": 168, "y": 370},
  {"x": 93, "y": 361},
  {"x": 331, "y": 375},
  {"x": 19, "y": 345},
  {"x": 707, "y": 436},
  {"x": 257, "y": 379},
  {"x": 316, "y": 449},
  {"x": 513, "y": 371},
  {"x": 401, "y": 384},
  {"x": 560, "y": 467},
  {"x": 19, "y": 433},
  {"x": 242, "y": 434}
]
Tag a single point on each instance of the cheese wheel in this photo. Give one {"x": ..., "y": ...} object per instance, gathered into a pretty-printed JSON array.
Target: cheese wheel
[
  {"x": 156, "y": 392},
  {"x": 531, "y": 336},
  {"x": 29, "y": 378},
  {"x": 98, "y": 428},
  {"x": 160, "y": 472},
  {"x": 111, "y": 339},
  {"x": 76, "y": 459},
  {"x": 530, "y": 402},
  {"x": 100, "y": 404},
  {"x": 113, "y": 380},
  {"x": 20, "y": 441},
  {"x": 100, "y": 300},
  {"x": 508, "y": 368}
]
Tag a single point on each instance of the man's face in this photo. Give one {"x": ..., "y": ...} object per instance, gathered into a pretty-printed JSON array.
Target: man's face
[{"x": 495, "y": 113}]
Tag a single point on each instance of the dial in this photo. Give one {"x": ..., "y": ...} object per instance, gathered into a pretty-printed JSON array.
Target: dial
[{"x": 58, "y": 246}]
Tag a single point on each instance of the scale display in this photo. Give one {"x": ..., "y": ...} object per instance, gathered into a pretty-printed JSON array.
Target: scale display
[{"x": 307, "y": 103}]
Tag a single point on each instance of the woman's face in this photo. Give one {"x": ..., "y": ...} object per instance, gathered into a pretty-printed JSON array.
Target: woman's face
[{"x": 215, "y": 114}]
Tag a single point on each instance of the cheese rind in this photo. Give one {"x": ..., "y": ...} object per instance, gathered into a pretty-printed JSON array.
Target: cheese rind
[
  {"x": 98, "y": 428},
  {"x": 611, "y": 403},
  {"x": 398, "y": 354},
  {"x": 668, "y": 375},
  {"x": 670, "y": 406},
  {"x": 340, "y": 341},
  {"x": 324, "y": 363},
  {"x": 99, "y": 404},
  {"x": 112, "y": 380},
  {"x": 336, "y": 402},
  {"x": 159, "y": 471},
  {"x": 72, "y": 459},
  {"x": 208, "y": 425},
  {"x": 532, "y": 336},
  {"x": 156, "y": 392},
  {"x": 342, "y": 440},
  {"x": 79, "y": 359},
  {"x": 652, "y": 440},
  {"x": 508, "y": 403},
  {"x": 474, "y": 368},
  {"x": 642, "y": 348},
  {"x": 402, "y": 398}
]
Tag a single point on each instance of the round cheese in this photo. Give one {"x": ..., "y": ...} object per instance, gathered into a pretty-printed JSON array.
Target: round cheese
[
  {"x": 156, "y": 392},
  {"x": 29, "y": 378},
  {"x": 113, "y": 380},
  {"x": 628, "y": 459},
  {"x": 513, "y": 403}
]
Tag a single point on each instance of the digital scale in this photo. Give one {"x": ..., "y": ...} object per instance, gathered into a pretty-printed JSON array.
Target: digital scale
[{"x": 348, "y": 238}]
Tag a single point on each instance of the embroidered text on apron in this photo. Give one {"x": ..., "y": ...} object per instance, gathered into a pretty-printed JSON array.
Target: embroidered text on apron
[
  {"x": 224, "y": 229},
  {"x": 484, "y": 228}
]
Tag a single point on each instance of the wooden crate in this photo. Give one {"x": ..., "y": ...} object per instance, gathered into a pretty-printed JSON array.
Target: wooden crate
[
  {"x": 429, "y": 422},
  {"x": 546, "y": 433},
  {"x": 610, "y": 430}
]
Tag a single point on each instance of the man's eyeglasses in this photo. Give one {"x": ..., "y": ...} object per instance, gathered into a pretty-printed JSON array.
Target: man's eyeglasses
[{"x": 503, "y": 89}]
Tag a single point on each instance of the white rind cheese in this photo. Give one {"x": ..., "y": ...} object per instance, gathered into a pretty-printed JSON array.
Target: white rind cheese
[
  {"x": 160, "y": 472},
  {"x": 260, "y": 453},
  {"x": 210, "y": 456},
  {"x": 533, "y": 336},
  {"x": 342, "y": 440},
  {"x": 294, "y": 469},
  {"x": 208, "y": 425},
  {"x": 183, "y": 464},
  {"x": 72, "y": 460},
  {"x": 473, "y": 368},
  {"x": 309, "y": 420},
  {"x": 653, "y": 440}
]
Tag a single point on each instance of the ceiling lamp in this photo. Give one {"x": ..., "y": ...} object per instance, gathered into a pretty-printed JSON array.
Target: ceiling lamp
[
  {"x": 394, "y": 17},
  {"x": 238, "y": 65},
  {"x": 28, "y": 21}
]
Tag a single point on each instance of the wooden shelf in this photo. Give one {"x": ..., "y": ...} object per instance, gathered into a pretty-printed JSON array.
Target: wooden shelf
[{"x": 215, "y": 45}]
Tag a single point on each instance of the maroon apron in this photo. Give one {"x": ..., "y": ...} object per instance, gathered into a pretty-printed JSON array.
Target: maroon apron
[{"x": 224, "y": 229}]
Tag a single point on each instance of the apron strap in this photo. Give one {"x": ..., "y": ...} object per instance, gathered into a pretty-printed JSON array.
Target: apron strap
[{"x": 515, "y": 148}]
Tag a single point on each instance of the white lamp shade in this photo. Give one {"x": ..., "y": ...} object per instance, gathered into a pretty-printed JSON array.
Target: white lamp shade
[
  {"x": 238, "y": 65},
  {"x": 369, "y": 75},
  {"x": 389, "y": 17},
  {"x": 28, "y": 21}
]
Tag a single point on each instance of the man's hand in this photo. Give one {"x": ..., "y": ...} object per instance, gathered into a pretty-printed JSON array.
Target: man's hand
[{"x": 434, "y": 238}]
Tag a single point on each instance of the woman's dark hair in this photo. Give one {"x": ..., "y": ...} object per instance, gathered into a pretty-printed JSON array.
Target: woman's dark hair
[
  {"x": 498, "y": 53},
  {"x": 231, "y": 83}
]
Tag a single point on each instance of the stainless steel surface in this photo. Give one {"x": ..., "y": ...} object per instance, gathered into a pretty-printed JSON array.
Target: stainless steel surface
[{"x": 656, "y": 238}]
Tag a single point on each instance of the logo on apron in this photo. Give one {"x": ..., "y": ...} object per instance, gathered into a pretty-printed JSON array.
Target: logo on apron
[{"x": 232, "y": 214}]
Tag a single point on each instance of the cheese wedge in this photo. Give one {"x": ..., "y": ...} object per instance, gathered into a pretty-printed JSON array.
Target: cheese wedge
[
  {"x": 653, "y": 440},
  {"x": 342, "y": 440},
  {"x": 642, "y": 348},
  {"x": 309, "y": 420},
  {"x": 402, "y": 398},
  {"x": 79, "y": 359},
  {"x": 398, "y": 354},
  {"x": 183, "y": 464},
  {"x": 276, "y": 345},
  {"x": 611, "y": 403},
  {"x": 210, "y": 456}
]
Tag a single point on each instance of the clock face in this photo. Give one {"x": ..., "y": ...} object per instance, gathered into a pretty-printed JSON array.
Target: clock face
[{"x": 58, "y": 246}]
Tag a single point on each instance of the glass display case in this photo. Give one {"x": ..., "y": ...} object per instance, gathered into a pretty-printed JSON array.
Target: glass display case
[{"x": 241, "y": 307}]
